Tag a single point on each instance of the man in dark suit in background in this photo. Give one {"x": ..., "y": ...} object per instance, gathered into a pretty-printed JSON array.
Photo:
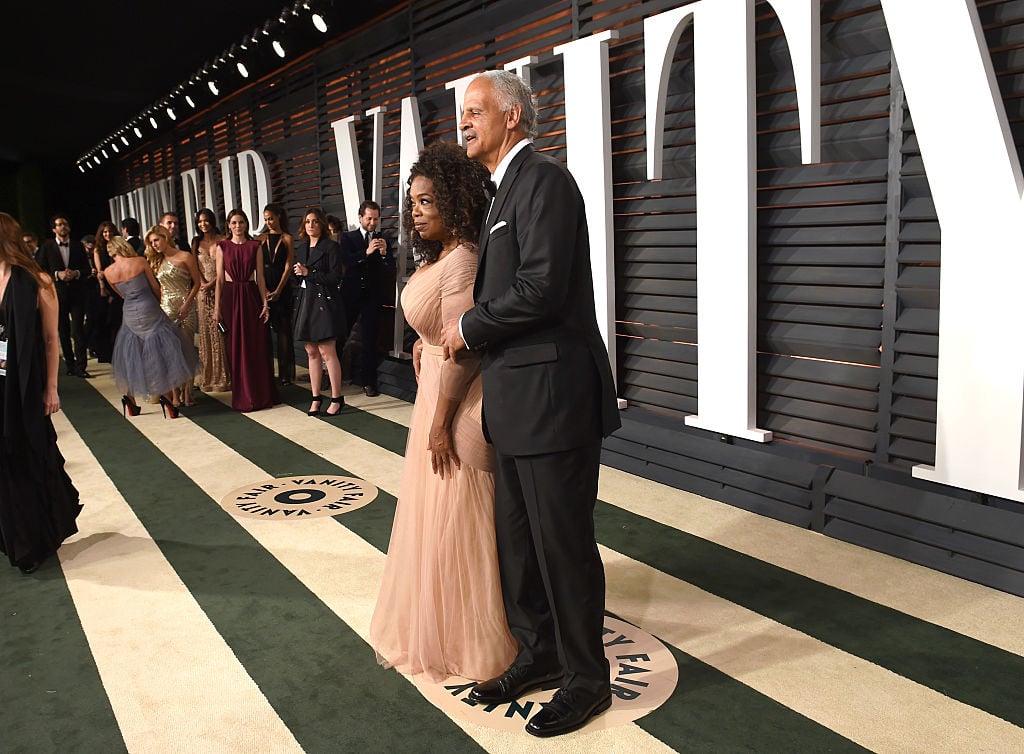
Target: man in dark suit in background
[
  {"x": 65, "y": 259},
  {"x": 32, "y": 242},
  {"x": 130, "y": 231},
  {"x": 549, "y": 398},
  {"x": 367, "y": 258}
]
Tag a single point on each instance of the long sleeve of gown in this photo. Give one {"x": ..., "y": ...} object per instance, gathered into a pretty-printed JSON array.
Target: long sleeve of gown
[{"x": 457, "y": 298}]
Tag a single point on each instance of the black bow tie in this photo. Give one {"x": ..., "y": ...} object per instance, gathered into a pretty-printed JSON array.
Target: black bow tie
[
  {"x": 63, "y": 243},
  {"x": 490, "y": 188}
]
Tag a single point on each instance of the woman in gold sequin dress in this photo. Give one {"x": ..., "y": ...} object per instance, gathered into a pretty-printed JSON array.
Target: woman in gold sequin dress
[
  {"x": 214, "y": 378},
  {"x": 179, "y": 278}
]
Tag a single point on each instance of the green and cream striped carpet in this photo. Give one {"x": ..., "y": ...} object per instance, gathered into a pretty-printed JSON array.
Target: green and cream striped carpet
[{"x": 169, "y": 625}]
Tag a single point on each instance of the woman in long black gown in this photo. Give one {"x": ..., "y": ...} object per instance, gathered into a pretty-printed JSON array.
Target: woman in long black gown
[
  {"x": 278, "y": 259},
  {"x": 38, "y": 502}
]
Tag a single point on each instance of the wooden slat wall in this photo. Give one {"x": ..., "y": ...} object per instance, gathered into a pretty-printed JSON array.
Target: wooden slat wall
[{"x": 845, "y": 383}]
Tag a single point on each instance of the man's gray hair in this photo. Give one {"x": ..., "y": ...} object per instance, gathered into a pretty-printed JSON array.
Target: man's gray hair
[{"x": 511, "y": 90}]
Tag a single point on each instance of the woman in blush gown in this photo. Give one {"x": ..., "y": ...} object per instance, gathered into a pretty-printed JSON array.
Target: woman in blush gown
[
  {"x": 151, "y": 355},
  {"x": 240, "y": 303},
  {"x": 214, "y": 375},
  {"x": 179, "y": 278},
  {"x": 38, "y": 503},
  {"x": 439, "y": 611}
]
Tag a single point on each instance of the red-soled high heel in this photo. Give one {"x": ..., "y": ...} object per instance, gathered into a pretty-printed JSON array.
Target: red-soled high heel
[
  {"x": 128, "y": 407},
  {"x": 169, "y": 408}
]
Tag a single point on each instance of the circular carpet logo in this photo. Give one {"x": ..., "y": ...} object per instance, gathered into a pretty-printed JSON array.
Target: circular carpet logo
[
  {"x": 298, "y": 497},
  {"x": 643, "y": 675}
]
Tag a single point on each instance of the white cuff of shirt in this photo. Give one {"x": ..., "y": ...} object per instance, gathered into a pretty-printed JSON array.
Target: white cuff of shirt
[{"x": 462, "y": 334}]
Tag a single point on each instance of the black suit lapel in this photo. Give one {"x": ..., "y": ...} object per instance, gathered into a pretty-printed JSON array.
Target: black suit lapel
[{"x": 507, "y": 183}]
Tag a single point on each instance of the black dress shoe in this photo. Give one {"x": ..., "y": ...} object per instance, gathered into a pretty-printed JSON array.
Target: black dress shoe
[
  {"x": 513, "y": 683},
  {"x": 83, "y": 374},
  {"x": 568, "y": 710},
  {"x": 370, "y": 392}
]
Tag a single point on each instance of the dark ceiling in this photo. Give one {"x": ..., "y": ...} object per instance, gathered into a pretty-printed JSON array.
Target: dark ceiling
[{"x": 77, "y": 71}]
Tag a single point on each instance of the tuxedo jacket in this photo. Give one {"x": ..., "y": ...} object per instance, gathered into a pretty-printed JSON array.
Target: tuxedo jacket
[
  {"x": 547, "y": 383},
  {"x": 71, "y": 291},
  {"x": 365, "y": 276}
]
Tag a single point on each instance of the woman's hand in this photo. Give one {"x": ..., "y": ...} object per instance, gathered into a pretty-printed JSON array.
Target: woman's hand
[
  {"x": 272, "y": 296},
  {"x": 417, "y": 357},
  {"x": 183, "y": 312},
  {"x": 301, "y": 270},
  {"x": 442, "y": 451},
  {"x": 51, "y": 402},
  {"x": 204, "y": 287},
  {"x": 264, "y": 313}
]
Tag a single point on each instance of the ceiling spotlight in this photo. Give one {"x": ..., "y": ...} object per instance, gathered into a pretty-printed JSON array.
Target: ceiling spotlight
[
  {"x": 80, "y": 167},
  {"x": 153, "y": 122},
  {"x": 114, "y": 147},
  {"x": 171, "y": 115},
  {"x": 104, "y": 153},
  {"x": 319, "y": 23},
  {"x": 266, "y": 29},
  {"x": 213, "y": 87},
  {"x": 278, "y": 49},
  {"x": 285, "y": 15},
  {"x": 191, "y": 102},
  {"x": 242, "y": 69},
  {"x": 138, "y": 132},
  {"x": 96, "y": 160},
  {"x": 125, "y": 140}
]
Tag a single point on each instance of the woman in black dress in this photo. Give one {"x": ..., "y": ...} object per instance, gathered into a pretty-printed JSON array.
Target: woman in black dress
[
  {"x": 278, "y": 259},
  {"x": 110, "y": 303},
  {"x": 318, "y": 306},
  {"x": 38, "y": 502}
]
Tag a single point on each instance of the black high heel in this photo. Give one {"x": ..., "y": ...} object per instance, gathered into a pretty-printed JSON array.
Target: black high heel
[
  {"x": 169, "y": 408},
  {"x": 340, "y": 399},
  {"x": 315, "y": 411},
  {"x": 128, "y": 407}
]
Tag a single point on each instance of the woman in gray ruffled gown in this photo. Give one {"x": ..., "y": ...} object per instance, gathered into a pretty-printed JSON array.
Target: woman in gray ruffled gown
[{"x": 151, "y": 355}]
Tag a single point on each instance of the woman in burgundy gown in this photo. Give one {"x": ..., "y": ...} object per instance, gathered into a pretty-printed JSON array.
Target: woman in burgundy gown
[{"x": 240, "y": 304}]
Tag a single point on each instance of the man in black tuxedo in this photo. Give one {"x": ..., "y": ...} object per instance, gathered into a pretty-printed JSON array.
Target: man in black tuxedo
[
  {"x": 130, "y": 231},
  {"x": 65, "y": 259},
  {"x": 169, "y": 220},
  {"x": 548, "y": 400},
  {"x": 367, "y": 258}
]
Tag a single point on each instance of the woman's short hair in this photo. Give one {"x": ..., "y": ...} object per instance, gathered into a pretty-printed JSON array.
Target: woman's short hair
[
  {"x": 117, "y": 246},
  {"x": 458, "y": 194}
]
